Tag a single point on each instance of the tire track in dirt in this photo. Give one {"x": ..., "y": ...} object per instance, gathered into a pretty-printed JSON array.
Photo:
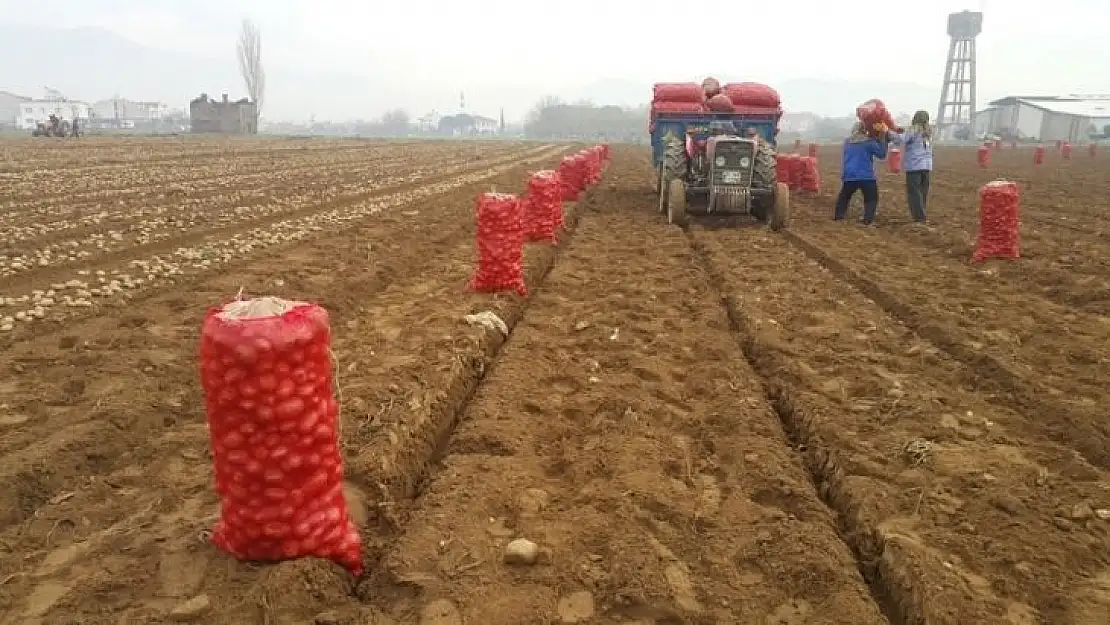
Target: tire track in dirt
[
  {"x": 618, "y": 432},
  {"x": 959, "y": 511},
  {"x": 1067, "y": 424},
  {"x": 171, "y": 560}
]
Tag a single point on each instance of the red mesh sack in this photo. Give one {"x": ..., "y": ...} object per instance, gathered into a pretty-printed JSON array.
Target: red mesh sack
[
  {"x": 720, "y": 104},
  {"x": 752, "y": 94},
  {"x": 784, "y": 169},
  {"x": 874, "y": 112},
  {"x": 1038, "y": 155},
  {"x": 983, "y": 157},
  {"x": 266, "y": 371},
  {"x": 677, "y": 107},
  {"x": 542, "y": 206},
  {"x": 571, "y": 178},
  {"x": 894, "y": 161},
  {"x": 809, "y": 179},
  {"x": 998, "y": 221},
  {"x": 1065, "y": 151},
  {"x": 500, "y": 244},
  {"x": 678, "y": 92}
]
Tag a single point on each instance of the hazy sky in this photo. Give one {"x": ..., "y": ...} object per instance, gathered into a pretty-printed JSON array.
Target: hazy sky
[{"x": 498, "y": 46}]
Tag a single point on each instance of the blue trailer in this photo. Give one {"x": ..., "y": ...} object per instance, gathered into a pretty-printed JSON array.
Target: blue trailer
[{"x": 713, "y": 163}]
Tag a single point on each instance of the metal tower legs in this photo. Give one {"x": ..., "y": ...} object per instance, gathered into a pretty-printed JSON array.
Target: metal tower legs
[{"x": 957, "y": 98}]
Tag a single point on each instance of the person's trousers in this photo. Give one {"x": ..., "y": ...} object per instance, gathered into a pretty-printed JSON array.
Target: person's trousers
[
  {"x": 870, "y": 190},
  {"x": 917, "y": 193}
]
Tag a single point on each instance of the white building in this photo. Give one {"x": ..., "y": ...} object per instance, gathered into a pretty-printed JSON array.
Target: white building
[
  {"x": 9, "y": 108},
  {"x": 34, "y": 112},
  {"x": 127, "y": 113},
  {"x": 486, "y": 125},
  {"x": 1045, "y": 118},
  {"x": 428, "y": 122}
]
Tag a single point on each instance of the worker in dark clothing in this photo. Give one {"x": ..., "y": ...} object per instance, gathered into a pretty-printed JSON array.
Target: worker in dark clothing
[
  {"x": 73, "y": 129},
  {"x": 857, "y": 171}
]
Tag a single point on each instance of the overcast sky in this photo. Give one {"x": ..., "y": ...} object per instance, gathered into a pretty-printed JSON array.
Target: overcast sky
[{"x": 498, "y": 46}]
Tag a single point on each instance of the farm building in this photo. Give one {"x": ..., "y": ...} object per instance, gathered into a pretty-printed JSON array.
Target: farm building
[
  {"x": 223, "y": 116},
  {"x": 1045, "y": 118},
  {"x": 9, "y": 108},
  {"x": 124, "y": 113},
  {"x": 35, "y": 112}
]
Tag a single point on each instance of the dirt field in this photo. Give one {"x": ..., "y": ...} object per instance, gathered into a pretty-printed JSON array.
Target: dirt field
[{"x": 835, "y": 425}]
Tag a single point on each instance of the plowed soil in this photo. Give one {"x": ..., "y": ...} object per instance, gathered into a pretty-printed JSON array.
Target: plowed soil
[{"x": 833, "y": 425}]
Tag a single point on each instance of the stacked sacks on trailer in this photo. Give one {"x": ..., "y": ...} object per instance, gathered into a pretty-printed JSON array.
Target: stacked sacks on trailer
[{"x": 677, "y": 97}]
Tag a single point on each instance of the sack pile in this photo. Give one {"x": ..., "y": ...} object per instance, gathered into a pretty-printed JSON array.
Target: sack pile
[{"x": 541, "y": 203}]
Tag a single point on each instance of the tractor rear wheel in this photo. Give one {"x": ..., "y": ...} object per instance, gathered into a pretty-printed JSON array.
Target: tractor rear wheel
[
  {"x": 779, "y": 218},
  {"x": 676, "y": 202}
]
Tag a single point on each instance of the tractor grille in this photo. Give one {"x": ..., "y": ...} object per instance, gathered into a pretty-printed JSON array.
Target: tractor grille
[{"x": 733, "y": 152}]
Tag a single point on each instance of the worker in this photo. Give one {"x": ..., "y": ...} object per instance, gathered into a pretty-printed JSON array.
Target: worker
[
  {"x": 857, "y": 171},
  {"x": 917, "y": 160}
]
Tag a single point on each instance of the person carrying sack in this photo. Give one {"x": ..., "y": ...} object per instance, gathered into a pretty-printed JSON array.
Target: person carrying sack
[
  {"x": 917, "y": 159},
  {"x": 857, "y": 171}
]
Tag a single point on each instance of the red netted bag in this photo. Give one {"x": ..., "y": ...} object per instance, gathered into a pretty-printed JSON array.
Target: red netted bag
[
  {"x": 809, "y": 178},
  {"x": 266, "y": 371},
  {"x": 1038, "y": 155},
  {"x": 894, "y": 161},
  {"x": 983, "y": 156},
  {"x": 720, "y": 104},
  {"x": 500, "y": 244},
  {"x": 998, "y": 221},
  {"x": 784, "y": 168},
  {"x": 752, "y": 94},
  {"x": 1065, "y": 151},
  {"x": 678, "y": 92},
  {"x": 874, "y": 112},
  {"x": 572, "y": 177},
  {"x": 677, "y": 107},
  {"x": 544, "y": 207}
]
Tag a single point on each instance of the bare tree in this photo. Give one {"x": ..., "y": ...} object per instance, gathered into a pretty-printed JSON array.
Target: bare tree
[{"x": 250, "y": 64}]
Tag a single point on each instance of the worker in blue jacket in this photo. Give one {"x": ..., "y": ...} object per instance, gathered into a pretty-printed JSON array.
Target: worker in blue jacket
[{"x": 857, "y": 171}]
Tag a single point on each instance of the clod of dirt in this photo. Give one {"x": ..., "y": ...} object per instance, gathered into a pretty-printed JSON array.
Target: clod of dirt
[
  {"x": 533, "y": 500},
  {"x": 522, "y": 552},
  {"x": 576, "y": 607},
  {"x": 581, "y": 325},
  {"x": 440, "y": 612},
  {"x": 1081, "y": 511},
  {"x": 192, "y": 609},
  {"x": 1103, "y": 513},
  {"x": 1007, "y": 503},
  {"x": 488, "y": 320},
  {"x": 356, "y": 504}
]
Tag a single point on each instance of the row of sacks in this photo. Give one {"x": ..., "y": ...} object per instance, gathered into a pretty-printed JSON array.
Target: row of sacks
[
  {"x": 505, "y": 221},
  {"x": 273, "y": 417},
  {"x": 681, "y": 97}
]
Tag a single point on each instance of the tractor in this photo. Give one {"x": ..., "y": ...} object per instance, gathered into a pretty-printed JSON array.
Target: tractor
[
  {"x": 55, "y": 127},
  {"x": 719, "y": 164}
]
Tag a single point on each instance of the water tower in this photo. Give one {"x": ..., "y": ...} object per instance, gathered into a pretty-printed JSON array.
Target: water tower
[{"x": 957, "y": 98}]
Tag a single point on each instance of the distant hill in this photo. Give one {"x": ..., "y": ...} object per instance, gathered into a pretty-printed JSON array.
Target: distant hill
[
  {"x": 827, "y": 98},
  {"x": 93, "y": 64}
]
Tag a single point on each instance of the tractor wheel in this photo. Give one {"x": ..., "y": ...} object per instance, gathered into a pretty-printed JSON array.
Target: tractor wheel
[
  {"x": 676, "y": 202},
  {"x": 780, "y": 212}
]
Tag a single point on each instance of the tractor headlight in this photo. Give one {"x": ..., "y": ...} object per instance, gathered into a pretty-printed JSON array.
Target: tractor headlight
[
  {"x": 745, "y": 161},
  {"x": 720, "y": 161}
]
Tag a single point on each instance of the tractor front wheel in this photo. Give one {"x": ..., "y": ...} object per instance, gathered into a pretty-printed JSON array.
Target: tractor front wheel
[
  {"x": 779, "y": 218},
  {"x": 676, "y": 202}
]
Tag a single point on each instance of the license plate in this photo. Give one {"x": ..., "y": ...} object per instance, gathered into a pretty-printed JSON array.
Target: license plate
[{"x": 732, "y": 177}]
